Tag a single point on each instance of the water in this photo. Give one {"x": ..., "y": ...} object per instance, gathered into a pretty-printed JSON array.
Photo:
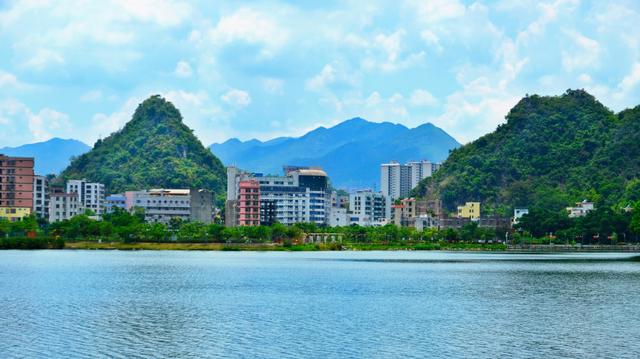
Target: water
[{"x": 59, "y": 304}]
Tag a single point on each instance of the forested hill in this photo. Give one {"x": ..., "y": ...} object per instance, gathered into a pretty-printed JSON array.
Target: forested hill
[
  {"x": 153, "y": 150},
  {"x": 551, "y": 151}
]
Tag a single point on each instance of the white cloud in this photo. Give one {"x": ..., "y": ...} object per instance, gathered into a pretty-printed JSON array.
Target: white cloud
[
  {"x": 43, "y": 58},
  {"x": 422, "y": 97},
  {"x": 28, "y": 126},
  {"x": 183, "y": 69},
  {"x": 102, "y": 125},
  {"x": 631, "y": 80},
  {"x": 437, "y": 10},
  {"x": 237, "y": 98},
  {"x": 253, "y": 27},
  {"x": 326, "y": 76},
  {"x": 161, "y": 12},
  {"x": 584, "y": 54}
]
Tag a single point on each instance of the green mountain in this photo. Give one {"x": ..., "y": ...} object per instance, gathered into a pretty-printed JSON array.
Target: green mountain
[
  {"x": 153, "y": 150},
  {"x": 551, "y": 152}
]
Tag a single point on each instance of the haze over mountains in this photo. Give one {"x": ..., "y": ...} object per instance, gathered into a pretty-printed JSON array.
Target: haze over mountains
[
  {"x": 52, "y": 156},
  {"x": 350, "y": 152}
]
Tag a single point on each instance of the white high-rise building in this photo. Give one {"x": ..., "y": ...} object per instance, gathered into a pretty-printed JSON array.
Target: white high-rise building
[
  {"x": 397, "y": 180},
  {"x": 41, "y": 196},
  {"x": 90, "y": 195}
]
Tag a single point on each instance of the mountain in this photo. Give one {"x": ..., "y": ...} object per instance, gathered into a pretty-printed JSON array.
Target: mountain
[
  {"x": 153, "y": 150},
  {"x": 550, "y": 153},
  {"x": 351, "y": 152},
  {"x": 51, "y": 156}
]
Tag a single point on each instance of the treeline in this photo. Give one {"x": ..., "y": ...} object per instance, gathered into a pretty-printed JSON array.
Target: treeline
[{"x": 600, "y": 226}]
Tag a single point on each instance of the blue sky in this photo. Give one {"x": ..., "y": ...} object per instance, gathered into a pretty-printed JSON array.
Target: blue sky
[{"x": 261, "y": 69}]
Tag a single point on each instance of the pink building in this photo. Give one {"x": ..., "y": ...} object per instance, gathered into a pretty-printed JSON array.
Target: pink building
[{"x": 249, "y": 203}]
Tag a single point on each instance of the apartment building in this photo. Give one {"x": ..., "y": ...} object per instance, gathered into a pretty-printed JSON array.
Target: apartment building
[
  {"x": 470, "y": 210},
  {"x": 374, "y": 206},
  {"x": 41, "y": 196},
  {"x": 397, "y": 180},
  {"x": 249, "y": 203},
  {"x": 63, "y": 206},
  {"x": 161, "y": 205},
  {"x": 90, "y": 195},
  {"x": 16, "y": 187},
  {"x": 300, "y": 195}
]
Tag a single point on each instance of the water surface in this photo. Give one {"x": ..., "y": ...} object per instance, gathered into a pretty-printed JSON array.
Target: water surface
[{"x": 59, "y": 304}]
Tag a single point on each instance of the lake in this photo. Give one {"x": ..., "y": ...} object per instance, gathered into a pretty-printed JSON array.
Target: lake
[{"x": 60, "y": 304}]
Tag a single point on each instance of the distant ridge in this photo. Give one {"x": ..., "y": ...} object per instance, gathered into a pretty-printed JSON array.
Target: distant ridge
[
  {"x": 351, "y": 152},
  {"x": 51, "y": 156}
]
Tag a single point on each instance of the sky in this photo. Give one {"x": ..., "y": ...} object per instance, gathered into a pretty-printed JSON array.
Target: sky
[{"x": 262, "y": 69}]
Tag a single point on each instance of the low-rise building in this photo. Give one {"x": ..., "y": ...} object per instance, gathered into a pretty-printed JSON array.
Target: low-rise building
[
  {"x": 161, "y": 205},
  {"x": 14, "y": 214},
  {"x": 469, "y": 210},
  {"x": 517, "y": 214},
  {"x": 581, "y": 209},
  {"x": 425, "y": 221},
  {"x": 115, "y": 201},
  {"x": 338, "y": 217},
  {"x": 63, "y": 206},
  {"x": 404, "y": 213}
]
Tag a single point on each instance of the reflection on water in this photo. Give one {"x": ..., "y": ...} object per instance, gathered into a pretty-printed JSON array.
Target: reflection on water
[{"x": 332, "y": 304}]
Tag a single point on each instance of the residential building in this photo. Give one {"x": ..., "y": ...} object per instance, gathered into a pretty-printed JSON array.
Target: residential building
[
  {"x": 16, "y": 187},
  {"x": 517, "y": 214},
  {"x": 41, "y": 196},
  {"x": 161, "y": 205},
  {"x": 63, "y": 206},
  {"x": 469, "y": 210},
  {"x": 581, "y": 209},
  {"x": 420, "y": 170},
  {"x": 115, "y": 201},
  {"x": 372, "y": 205},
  {"x": 90, "y": 195},
  {"x": 404, "y": 213},
  {"x": 397, "y": 180},
  {"x": 338, "y": 217},
  {"x": 248, "y": 203},
  {"x": 339, "y": 200},
  {"x": 301, "y": 195},
  {"x": 425, "y": 221}
]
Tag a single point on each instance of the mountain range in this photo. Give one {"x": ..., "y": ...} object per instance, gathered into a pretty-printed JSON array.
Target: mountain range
[
  {"x": 552, "y": 152},
  {"x": 155, "y": 149},
  {"x": 350, "y": 152},
  {"x": 51, "y": 156}
]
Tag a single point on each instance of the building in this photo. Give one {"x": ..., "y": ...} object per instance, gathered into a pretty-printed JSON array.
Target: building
[
  {"x": 420, "y": 170},
  {"x": 63, "y": 206},
  {"x": 338, "y": 217},
  {"x": 41, "y": 196},
  {"x": 581, "y": 209},
  {"x": 301, "y": 195},
  {"x": 397, "y": 180},
  {"x": 16, "y": 187},
  {"x": 248, "y": 208},
  {"x": 90, "y": 195},
  {"x": 339, "y": 200},
  {"x": 469, "y": 210},
  {"x": 517, "y": 214},
  {"x": 404, "y": 213},
  {"x": 161, "y": 205},
  {"x": 425, "y": 221},
  {"x": 372, "y": 205},
  {"x": 115, "y": 201}
]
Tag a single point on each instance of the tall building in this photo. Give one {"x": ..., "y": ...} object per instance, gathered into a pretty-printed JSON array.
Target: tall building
[
  {"x": 249, "y": 203},
  {"x": 90, "y": 195},
  {"x": 370, "y": 206},
  {"x": 301, "y": 195},
  {"x": 41, "y": 196},
  {"x": 63, "y": 206},
  {"x": 161, "y": 205},
  {"x": 397, "y": 180},
  {"x": 16, "y": 187},
  {"x": 419, "y": 170}
]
